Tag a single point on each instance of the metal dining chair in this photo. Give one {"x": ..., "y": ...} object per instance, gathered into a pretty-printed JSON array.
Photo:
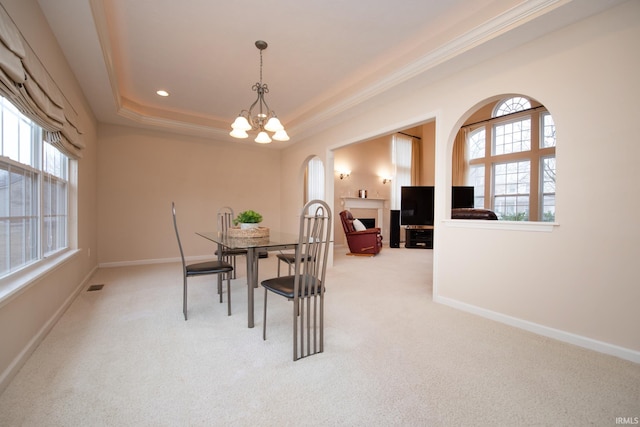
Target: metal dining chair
[
  {"x": 306, "y": 286},
  {"x": 289, "y": 259},
  {"x": 201, "y": 269},
  {"x": 225, "y": 220}
]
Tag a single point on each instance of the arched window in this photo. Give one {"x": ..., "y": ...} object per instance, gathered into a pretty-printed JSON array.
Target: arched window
[
  {"x": 401, "y": 159},
  {"x": 511, "y": 105},
  {"x": 314, "y": 177},
  {"x": 511, "y": 161}
]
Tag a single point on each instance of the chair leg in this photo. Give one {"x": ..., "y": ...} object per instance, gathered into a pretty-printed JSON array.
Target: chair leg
[
  {"x": 296, "y": 314},
  {"x": 184, "y": 297},
  {"x": 264, "y": 318},
  {"x": 279, "y": 261},
  {"x": 228, "y": 294}
]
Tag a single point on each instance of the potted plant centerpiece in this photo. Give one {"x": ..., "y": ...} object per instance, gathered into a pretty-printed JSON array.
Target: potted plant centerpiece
[{"x": 248, "y": 219}]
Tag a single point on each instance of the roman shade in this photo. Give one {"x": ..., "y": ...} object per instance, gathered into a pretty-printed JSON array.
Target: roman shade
[{"x": 25, "y": 81}]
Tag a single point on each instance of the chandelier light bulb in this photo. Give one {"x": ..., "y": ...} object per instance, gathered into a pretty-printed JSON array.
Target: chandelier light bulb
[
  {"x": 241, "y": 123},
  {"x": 281, "y": 135},
  {"x": 273, "y": 125},
  {"x": 263, "y": 138},
  {"x": 239, "y": 133}
]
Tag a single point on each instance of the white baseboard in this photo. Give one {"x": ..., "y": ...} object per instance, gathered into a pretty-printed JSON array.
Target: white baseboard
[
  {"x": 591, "y": 344},
  {"x": 23, "y": 356},
  {"x": 152, "y": 261}
]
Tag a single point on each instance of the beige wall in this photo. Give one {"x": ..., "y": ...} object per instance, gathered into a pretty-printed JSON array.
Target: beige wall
[
  {"x": 588, "y": 286},
  {"x": 26, "y": 317},
  {"x": 578, "y": 281},
  {"x": 428, "y": 152},
  {"x": 367, "y": 162},
  {"x": 141, "y": 172}
]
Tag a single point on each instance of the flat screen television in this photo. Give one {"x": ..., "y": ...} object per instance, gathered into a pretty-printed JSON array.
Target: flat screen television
[
  {"x": 462, "y": 197},
  {"x": 416, "y": 205}
]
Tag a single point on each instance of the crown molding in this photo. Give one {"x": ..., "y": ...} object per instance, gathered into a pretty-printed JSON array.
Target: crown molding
[
  {"x": 102, "y": 30},
  {"x": 490, "y": 30},
  {"x": 497, "y": 26}
]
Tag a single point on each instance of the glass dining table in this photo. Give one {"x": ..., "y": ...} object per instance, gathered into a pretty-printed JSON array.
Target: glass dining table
[{"x": 253, "y": 245}]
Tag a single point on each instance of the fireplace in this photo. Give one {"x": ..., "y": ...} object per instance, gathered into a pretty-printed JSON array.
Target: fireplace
[
  {"x": 368, "y": 222},
  {"x": 351, "y": 203}
]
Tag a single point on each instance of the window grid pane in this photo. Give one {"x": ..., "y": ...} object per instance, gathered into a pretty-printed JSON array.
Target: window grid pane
[
  {"x": 10, "y": 132},
  {"x": 26, "y": 142},
  {"x": 548, "y": 132},
  {"x": 476, "y": 179},
  {"x": 54, "y": 162},
  {"x": 19, "y": 217},
  {"x": 512, "y": 208},
  {"x": 512, "y": 105},
  {"x": 22, "y": 242},
  {"x": 513, "y": 137},
  {"x": 548, "y": 175},
  {"x": 477, "y": 144},
  {"x": 18, "y": 135},
  {"x": 511, "y": 190}
]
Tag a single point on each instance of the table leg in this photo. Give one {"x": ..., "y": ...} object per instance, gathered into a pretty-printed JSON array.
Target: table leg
[
  {"x": 220, "y": 275},
  {"x": 252, "y": 282}
]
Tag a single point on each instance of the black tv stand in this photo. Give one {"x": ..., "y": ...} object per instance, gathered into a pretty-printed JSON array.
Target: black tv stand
[{"x": 419, "y": 237}]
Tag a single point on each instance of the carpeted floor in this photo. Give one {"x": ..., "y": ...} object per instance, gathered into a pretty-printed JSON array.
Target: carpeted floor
[{"x": 124, "y": 356}]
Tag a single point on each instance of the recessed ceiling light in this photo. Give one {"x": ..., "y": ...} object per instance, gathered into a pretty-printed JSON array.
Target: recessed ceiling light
[{"x": 162, "y": 93}]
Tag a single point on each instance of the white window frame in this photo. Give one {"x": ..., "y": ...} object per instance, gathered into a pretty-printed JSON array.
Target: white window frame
[
  {"x": 535, "y": 155},
  {"x": 401, "y": 160},
  {"x": 314, "y": 185},
  {"x": 46, "y": 172}
]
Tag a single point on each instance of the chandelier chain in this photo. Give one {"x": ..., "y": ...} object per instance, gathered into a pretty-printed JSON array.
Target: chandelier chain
[{"x": 260, "y": 67}]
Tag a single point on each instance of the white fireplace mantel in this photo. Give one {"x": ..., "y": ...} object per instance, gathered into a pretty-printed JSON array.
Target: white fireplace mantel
[{"x": 366, "y": 203}]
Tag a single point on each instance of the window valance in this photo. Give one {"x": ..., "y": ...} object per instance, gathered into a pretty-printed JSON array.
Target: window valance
[{"x": 25, "y": 81}]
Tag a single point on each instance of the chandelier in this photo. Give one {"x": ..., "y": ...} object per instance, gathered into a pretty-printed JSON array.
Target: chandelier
[{"x": 263, "y": 119}]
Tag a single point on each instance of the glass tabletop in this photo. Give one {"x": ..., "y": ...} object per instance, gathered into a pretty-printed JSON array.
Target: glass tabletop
[{"x": 275, "y": 239}]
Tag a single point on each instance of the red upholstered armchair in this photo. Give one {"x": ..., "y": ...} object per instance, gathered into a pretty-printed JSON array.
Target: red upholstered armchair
[{"x": 364, "y": 242}]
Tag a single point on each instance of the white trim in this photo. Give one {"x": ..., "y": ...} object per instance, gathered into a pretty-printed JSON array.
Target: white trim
[
  {"x": 23, "y": 356},
  {"x": 16, "y": 283},
  {"x": 359, "y": 203},
  {"x": 543, "y": 227},
  {"x": 153, "y": 261},
  {"x": 568, "y": 337}
]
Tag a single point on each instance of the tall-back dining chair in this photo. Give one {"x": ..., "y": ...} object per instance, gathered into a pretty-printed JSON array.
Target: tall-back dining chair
[
  {"x": 306, "y": 286},
  {"x": 289, "y": 259},
  {"x": 225, "y": 221},
  {"x": 201, "y": 269}
]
